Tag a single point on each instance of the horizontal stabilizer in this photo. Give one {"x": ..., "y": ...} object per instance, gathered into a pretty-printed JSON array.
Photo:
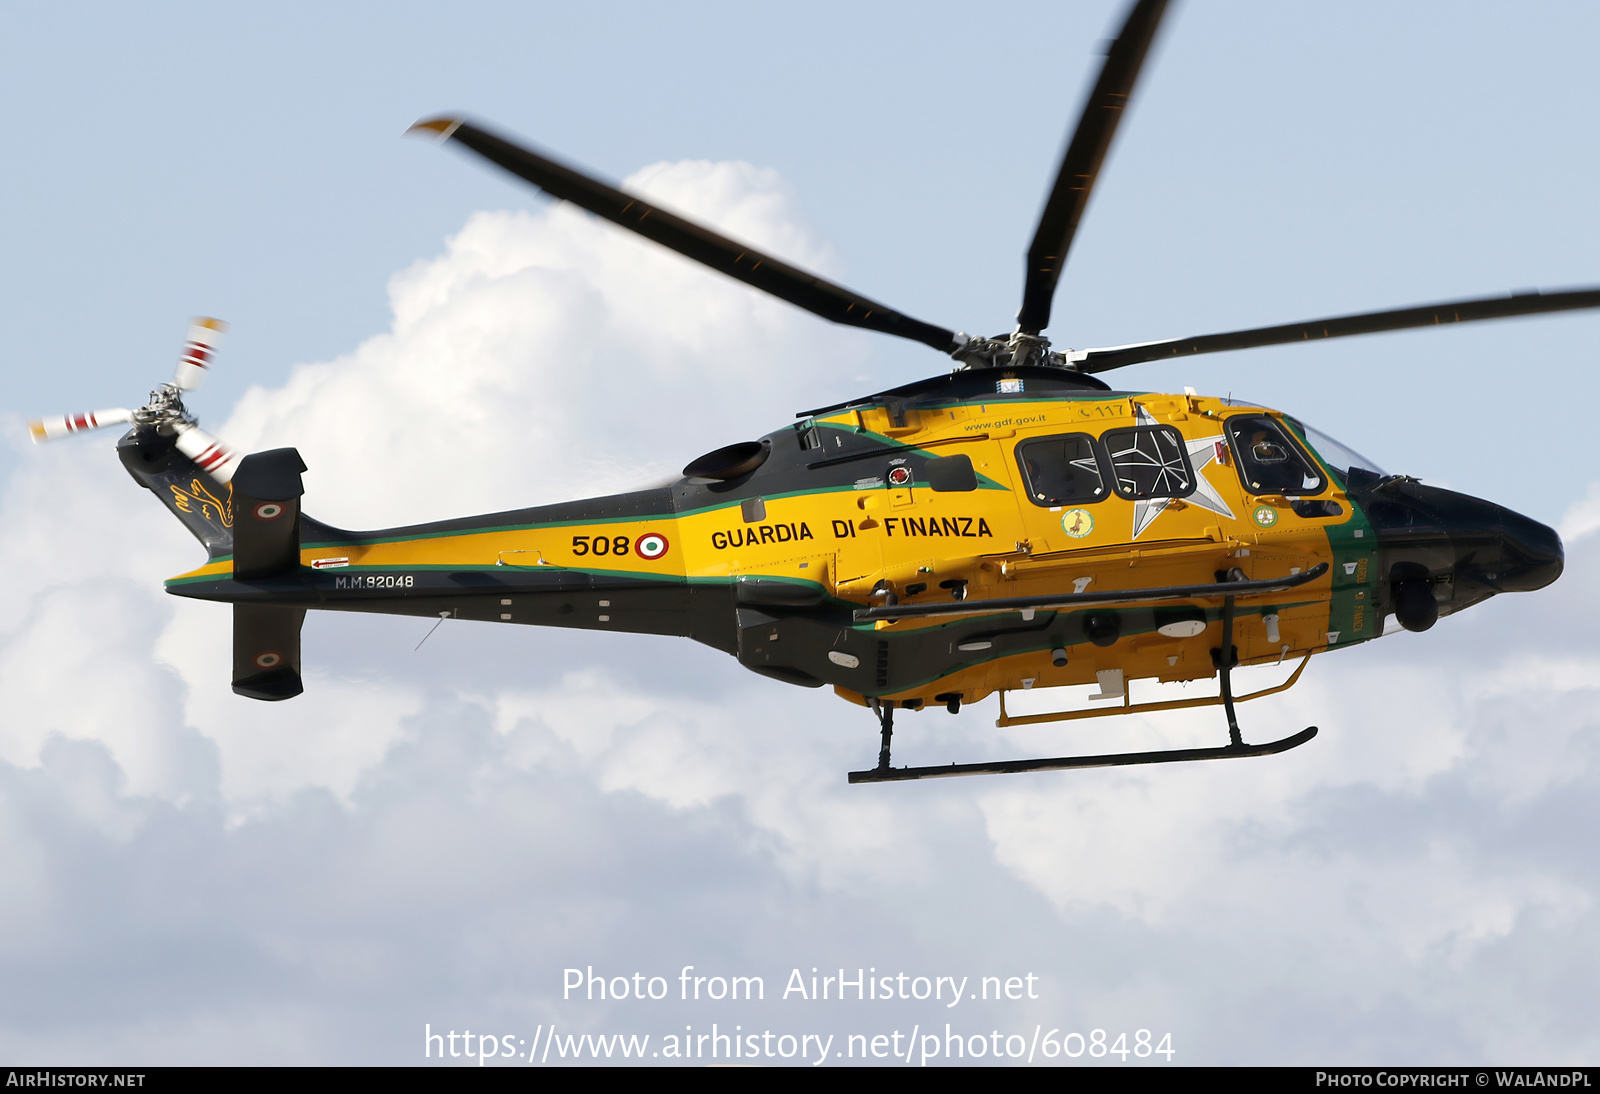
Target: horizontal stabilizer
[
  {"x": 266, "y": 507},
  {"x": 266, "y": 651}
]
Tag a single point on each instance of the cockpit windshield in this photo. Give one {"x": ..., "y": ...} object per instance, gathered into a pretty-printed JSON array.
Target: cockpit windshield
[{"x": 1334, "y": 454}]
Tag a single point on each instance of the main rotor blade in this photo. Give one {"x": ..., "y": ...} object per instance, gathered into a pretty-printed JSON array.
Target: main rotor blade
[
  {"x": 1427, "y": 315},
  {"x": 1080, "y": 167},
  {"x": 805, "y": 290}
]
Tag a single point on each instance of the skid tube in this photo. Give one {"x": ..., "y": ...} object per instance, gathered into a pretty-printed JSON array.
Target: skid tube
[
  {"x": 1225, "y": 659},
  {"x": 1065, "y": 763}
]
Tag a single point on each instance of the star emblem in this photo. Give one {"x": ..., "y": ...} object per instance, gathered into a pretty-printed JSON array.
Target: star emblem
[{"x": 1202, "y": 453}]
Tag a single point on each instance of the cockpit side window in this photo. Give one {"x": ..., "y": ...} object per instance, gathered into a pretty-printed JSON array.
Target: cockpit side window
[
  {"x": 1269, "y": 460},
  {"x": 1062, "y": 470},
  {"x": 1149, "y": 462}
]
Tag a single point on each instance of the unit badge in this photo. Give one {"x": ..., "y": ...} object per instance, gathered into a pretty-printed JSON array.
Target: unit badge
[{"x": 1077, "y": 523}]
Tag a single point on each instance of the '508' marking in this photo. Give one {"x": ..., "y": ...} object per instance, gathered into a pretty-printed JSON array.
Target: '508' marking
[
  {"x": 375, "y": 581},
  {"x": 649, "y": 547},
  {"x": 600, "y": 545}
]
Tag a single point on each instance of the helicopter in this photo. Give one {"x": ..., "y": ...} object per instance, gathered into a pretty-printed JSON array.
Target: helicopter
[{"x": 1013, "y": 524}]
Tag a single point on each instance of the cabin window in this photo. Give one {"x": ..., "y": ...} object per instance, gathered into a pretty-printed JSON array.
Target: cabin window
[
  {"x": 951, "y": 473},
  {"x": 1149, "y": 462},
  {"x": 1062, "y": 470},
  {"x": 1269, "y": 461}
]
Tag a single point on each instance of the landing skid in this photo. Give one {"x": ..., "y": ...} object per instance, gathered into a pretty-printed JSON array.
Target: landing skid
[
  {"x": 1225, "y": 659},
  {"x": 1064, "y": 763}
]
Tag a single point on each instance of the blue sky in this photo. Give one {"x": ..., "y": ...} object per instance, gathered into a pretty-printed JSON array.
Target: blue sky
[{"x": 432, "y": 836}]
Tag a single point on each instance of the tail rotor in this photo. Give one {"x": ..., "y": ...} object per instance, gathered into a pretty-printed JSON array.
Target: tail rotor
[{"x": 165, "y": 412}]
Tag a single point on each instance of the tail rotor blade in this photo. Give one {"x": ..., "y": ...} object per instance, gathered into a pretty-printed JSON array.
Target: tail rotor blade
[
  {"x": 204, "y": 337},
  {"x": 64, "y": 425},
  {"x": 209, "y": 454}
]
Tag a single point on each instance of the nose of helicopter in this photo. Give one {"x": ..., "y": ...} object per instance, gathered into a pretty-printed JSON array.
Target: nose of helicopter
[
  {"x": 1533, "y": 549},
  {"x": 1443, "y": 551}
]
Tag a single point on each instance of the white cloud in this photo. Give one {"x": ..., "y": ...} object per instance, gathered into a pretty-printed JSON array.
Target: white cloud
[
  {"x": 549, "y": 356},
  {"x": 1582, "y": 517}
]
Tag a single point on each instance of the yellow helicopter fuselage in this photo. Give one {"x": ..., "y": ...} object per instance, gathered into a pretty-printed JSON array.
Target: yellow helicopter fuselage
[{"x": 871, "y": 528}]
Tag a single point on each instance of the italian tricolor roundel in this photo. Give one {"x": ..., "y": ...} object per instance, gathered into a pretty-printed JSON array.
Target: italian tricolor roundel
[{"x": 650, "y": 546}]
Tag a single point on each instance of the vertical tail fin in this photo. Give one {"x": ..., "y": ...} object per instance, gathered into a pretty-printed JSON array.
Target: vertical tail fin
[
  {"x": 266, "y": 543},
  {"x": 255, "y": 518},
  {"x": 266, "y": 519},
  {"x": 266, "y": 651}
]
